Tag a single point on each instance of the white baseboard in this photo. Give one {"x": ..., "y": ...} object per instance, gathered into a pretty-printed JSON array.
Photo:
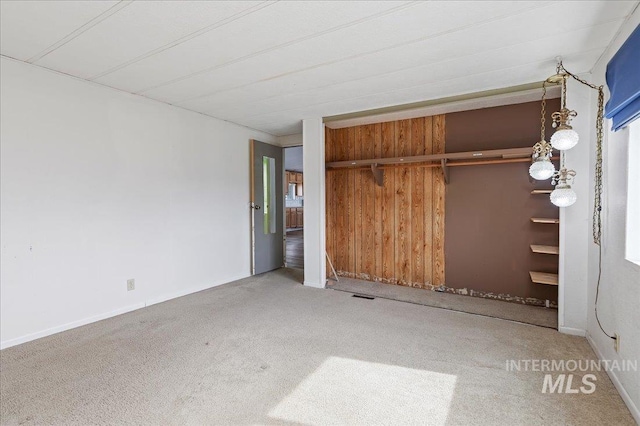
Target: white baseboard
[
  {"x": 165, "y": 297},
  {"x": 572, "y": 331},
  {"x": 635, "y": 412},
  {"x": 313, "y": 284},
  {"x": 68, "y": 326},
  {"x": 64, "y": 327}
]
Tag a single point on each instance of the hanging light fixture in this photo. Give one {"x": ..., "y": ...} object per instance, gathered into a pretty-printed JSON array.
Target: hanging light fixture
[
  {"x": 563, "y": 195},
  {"x": 564, "y": 137},
  {"x": 541, "y": 167}
]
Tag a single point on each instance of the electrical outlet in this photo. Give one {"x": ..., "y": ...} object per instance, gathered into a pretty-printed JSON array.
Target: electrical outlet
[
  {"x": 131, "y": 284},
  {"x": 616, "y": 342}
]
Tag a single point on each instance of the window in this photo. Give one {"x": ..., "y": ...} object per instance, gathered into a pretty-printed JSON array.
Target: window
[
  {"x": 269, "y": 191},
  {"x": 633, "y": 195}
]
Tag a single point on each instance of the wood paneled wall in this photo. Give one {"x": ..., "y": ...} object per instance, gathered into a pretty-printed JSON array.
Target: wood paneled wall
[{"x": 393, "y": 233}]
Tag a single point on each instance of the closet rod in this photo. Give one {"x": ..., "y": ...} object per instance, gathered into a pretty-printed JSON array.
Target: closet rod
[
  {"x": 449, "y": 164},
  {"x": 510, "y": 153}
]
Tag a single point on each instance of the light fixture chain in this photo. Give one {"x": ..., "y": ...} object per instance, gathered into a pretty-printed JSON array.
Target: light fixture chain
[
  {"x": 575, "y": 77},
  {"x": 597, "y": 203},
  {"x": 543, "y": 111},
  {"x": 564, "y": 93}
]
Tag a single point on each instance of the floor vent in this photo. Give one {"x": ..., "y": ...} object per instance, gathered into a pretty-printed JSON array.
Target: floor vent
[{"x": 362, "y": 296}]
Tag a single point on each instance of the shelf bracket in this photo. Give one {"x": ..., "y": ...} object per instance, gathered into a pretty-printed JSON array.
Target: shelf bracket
[
  {"x": 445, "y": 170},
  {"x": 378, "y": 174}
]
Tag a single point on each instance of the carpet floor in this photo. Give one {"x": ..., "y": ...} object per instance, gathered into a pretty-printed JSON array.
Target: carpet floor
[
  {"x": 536, "y": 315},
  {"x": 267, "y": 350}
]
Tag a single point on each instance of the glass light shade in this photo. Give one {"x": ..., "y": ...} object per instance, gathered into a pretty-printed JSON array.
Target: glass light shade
[
  {"x": 564, "y": 139},
  {"x": 563, "y": 196},
  {"x": 542, "y": 169}
]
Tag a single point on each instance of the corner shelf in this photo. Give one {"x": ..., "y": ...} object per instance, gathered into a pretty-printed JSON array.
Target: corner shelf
[
  {"x": 544, "y": 278},
  {"x": 545, "y": 249},
  {"x": 544, "y": 220}
]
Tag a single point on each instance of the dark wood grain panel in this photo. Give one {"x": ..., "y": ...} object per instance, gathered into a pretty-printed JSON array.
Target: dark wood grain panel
[
  {"x": 329, "y": 199},
  {"x": 357, "y": 202},
  {"x": 427, "y": 201},
  {"x": 438, "y": 194},
  {"x": 342, "y": 205},
  {"x": 417, "y": 204},
  {"x": 368, "y": 191},
  {"x": 351, "y": 195},
  {"x": 387, "y": 233},
  {"x": 388, "y": 144},
  {"x": 403, "y": 206},
  {"x": 378, "y": 192}
]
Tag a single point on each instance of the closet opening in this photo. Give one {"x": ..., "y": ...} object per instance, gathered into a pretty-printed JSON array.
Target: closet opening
[{"x": 441, "y": 211}]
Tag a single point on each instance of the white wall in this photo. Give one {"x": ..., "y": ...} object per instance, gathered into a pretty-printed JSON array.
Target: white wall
[
  {"x": 575, "y": 221},
  {"x": 619, "y": 303},
  {"x": 98, "y": 186},
  {"x": 314, "y": 203},
  {"x": 290, "y": 140},
  {"x": 633, "y": 203}
]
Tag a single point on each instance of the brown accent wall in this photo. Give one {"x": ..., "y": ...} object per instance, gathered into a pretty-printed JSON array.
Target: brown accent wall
[
  {"x": 488, "y": 226},
  {"x": 394, "y": 233}
]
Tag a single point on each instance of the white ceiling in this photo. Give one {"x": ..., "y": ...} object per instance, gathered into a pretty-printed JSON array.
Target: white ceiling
[{"x": 269, "y": 64}]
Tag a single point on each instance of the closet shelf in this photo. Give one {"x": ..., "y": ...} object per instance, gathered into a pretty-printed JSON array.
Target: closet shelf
[
  {"x": 544, "y": 220},
  {"x": 544, "y": 278},
  {"x": 443, "y": 161},
  {"x": 541, "y": 191},
  {"x": 545, "y": 249},
  {"x": 503, "y": 154}
]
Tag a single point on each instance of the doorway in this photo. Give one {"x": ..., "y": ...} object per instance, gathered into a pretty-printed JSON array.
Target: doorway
[{"x": 294, "y": 207}]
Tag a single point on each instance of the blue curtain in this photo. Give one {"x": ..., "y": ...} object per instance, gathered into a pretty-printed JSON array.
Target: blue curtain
[{"x": 623, "y": 80}]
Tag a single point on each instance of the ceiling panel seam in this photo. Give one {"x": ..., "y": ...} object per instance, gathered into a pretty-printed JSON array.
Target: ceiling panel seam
[
  {"x": 448, "y": 59},
  {"x": 477, "y": 100},
  {"x": 80, "y": 30},
  {"x": 280, "y": 46},
  {"x": 315, "y": 70},
  {"x": 359, "y": 55},
  {"x": 420, "y": 85},
  {"x": 188, "y": 37},
  {"x": 146, "y": 98},
  {"x": 615, "y": 36}
]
